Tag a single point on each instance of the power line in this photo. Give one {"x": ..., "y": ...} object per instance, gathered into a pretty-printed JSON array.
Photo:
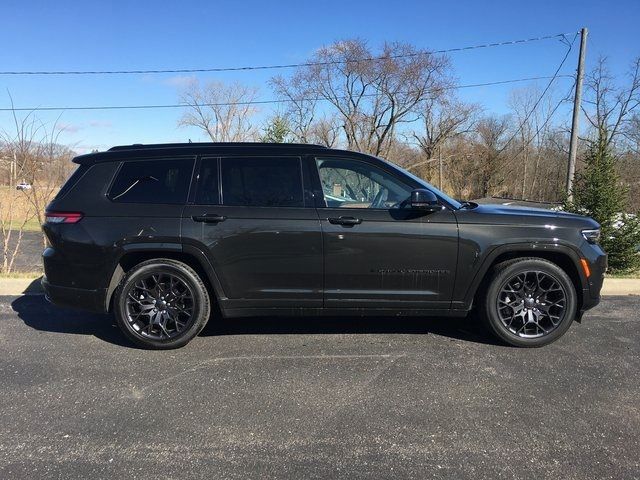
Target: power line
[
  {"x": 548, "y": 119},
  {"x": 544, "y": 92},
  {"x": 546, "y": 122},
  {"x": 289, "y": 65},
  {"x": 257, "y": 102},
  {"x": 528, "y": 142}
]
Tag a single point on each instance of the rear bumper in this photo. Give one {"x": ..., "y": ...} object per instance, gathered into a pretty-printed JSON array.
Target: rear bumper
[{"x": 91, "y": 300}]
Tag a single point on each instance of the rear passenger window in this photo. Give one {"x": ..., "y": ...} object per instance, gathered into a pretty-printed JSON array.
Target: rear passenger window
[
  {"x": 262, "y": 182},
  {"x": 152, "y": 181}
]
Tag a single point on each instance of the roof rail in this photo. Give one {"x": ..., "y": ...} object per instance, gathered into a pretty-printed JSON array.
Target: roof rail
[{"x": 141, "y": 146}]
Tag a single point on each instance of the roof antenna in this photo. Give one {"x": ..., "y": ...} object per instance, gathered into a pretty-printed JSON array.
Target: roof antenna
[{"x": 190, "y": 141}]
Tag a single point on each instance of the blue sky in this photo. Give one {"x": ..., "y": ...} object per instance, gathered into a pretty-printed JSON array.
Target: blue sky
[{"x": 85, "y": 35}]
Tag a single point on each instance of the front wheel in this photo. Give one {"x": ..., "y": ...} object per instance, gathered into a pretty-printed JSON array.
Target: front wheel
[
  {"x": 161, "y": 304},
  {"x": 530, "y": 302}
]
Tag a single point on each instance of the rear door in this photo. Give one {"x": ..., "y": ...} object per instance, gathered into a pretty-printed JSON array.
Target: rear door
[
  {"x": 260, "y": 230},
  {"x": 378, "y": 253}
]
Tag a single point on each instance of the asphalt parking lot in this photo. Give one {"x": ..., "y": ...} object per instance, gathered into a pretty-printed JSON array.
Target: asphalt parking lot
[
  {"x": 317, "y": 398},
  {"x": 29, "y": 256}
]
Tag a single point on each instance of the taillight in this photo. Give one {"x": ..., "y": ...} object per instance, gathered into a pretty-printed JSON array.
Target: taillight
[{"x": 62, "y": 217}]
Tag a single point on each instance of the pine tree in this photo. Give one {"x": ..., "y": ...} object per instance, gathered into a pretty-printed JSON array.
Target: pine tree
[
  {"x": 598, "y": 193},
  {"x": 277, "y": 131}
]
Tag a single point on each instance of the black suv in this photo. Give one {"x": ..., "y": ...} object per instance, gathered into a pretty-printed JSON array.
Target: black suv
[{"x": 158, "y": 234}]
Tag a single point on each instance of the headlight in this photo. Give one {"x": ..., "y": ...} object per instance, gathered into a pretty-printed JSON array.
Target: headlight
[{"x": 591, "y": 235}]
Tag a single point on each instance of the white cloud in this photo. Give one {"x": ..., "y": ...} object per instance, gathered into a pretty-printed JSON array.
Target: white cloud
[
  {"x": 70, "y": 127},
  {"x": 100, "y": 124},
  {"x": 180, "y": 81}
]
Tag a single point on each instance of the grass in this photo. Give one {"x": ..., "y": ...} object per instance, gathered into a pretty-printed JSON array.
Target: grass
[
  {"x": 32, "y": 225},
  {"x": 21, "y": 275},
  {"x": 634, "y": 275},
  {"x": 15, "y": 206}
]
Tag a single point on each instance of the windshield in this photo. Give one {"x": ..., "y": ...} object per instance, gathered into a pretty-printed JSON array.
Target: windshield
[{"x": 451, "y": 201}]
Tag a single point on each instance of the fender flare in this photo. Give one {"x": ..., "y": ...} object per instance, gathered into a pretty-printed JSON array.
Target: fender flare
[
  {"x": 536, "y": 249},
  {"x": 160, "y": 248}
]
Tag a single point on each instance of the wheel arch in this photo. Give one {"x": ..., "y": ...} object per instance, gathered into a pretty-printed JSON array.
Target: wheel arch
[
  {"x": 187, "y": 254},
  {"x": 563, "y": 256}
]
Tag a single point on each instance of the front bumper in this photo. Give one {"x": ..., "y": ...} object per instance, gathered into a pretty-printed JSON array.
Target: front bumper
[
  {"x": 591, "y": 292},
  {"x": 91, "y": 300}
]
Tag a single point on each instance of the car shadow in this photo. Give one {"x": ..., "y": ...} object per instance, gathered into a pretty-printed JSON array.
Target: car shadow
[
  {"x": 467, "y": 329},
  {"x": 37, "y": 313},
  {"x": 40, "y": 315}
]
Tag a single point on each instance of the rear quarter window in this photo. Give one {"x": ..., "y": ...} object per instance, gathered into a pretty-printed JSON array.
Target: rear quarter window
[
  {"x": 71, "y": 181},
  {"x": 152, "y": 181}
]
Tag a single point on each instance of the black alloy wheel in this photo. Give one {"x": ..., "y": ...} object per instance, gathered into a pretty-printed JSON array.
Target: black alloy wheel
[
  {"x": 161, "y": 304},
  {"x": 529, "y": 302}
]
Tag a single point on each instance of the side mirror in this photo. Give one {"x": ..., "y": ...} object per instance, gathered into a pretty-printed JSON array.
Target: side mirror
[{"x": 425, "y": 200}]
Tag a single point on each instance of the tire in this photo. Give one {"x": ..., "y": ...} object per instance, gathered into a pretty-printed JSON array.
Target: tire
[
  {"x": 515, "y": 316},
  {"x": 161, "y": 304}
]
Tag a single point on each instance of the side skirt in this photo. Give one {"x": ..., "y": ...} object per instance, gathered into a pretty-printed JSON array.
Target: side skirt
[{"x": 336, "y": 312}]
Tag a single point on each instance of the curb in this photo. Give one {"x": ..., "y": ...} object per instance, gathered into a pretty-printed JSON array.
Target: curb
[
  {"x": 20, "y": 286},
  {"x": 31, "y": 286},
  {"x": 621, "y": 286}
]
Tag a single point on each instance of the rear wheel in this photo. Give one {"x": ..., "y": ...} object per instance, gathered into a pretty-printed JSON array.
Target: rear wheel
[
  {"x": 162, "y": 304},
  {"x": 530, "y": 302}
]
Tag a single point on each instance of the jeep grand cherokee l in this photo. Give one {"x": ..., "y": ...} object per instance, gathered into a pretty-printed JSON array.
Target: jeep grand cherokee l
[{"x": 157, "y": 234}]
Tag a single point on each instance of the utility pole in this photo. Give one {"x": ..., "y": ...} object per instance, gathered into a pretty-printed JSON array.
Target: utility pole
[
  {"x": 440, "y": 168},
  {"x": 577, "y": 102}
]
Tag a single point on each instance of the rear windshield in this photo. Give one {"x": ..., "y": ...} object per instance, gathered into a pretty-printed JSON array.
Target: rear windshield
[{"x": 152, "y": 181}]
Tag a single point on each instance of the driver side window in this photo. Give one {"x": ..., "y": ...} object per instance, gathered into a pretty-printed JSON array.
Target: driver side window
[{"x": 348, "y": 183}]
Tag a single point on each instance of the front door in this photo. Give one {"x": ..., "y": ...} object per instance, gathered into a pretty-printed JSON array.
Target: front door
[
  {"x": 264, "y": 243},
  {"x": 378, "y": 253}
]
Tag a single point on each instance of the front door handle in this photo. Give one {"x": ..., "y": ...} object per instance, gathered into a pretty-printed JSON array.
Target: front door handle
[
  {"x": 345, "y": 221},
  {"x": 209, "y": 218}
]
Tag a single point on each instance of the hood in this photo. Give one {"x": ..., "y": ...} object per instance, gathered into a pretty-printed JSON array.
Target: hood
[{"x": 502, "y": 214}]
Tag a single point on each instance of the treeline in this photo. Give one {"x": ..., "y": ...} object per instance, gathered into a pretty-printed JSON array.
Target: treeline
[{"x": 401, "y": 103}]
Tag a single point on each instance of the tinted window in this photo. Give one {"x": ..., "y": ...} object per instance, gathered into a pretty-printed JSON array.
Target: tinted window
[
  {"x": 354, "y": 184},
  {"x": 72, "y": 180},
  {"x": 262, "y": 182},
  {"x": 152, "y": 181},
  {"x": 207, "y": 193}
]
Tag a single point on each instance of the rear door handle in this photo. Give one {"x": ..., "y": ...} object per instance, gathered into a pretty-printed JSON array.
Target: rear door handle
[
  {"x": 345, "y": 221},
  {"x": 209, "y": 218}
]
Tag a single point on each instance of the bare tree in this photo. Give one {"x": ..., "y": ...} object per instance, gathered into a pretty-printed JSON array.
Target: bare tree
[
  {"x": 491, "y": 132},
  {"x": 39, "y": 159},
  {"x": 371, "y": 94},
  {"x": 300, "y": 105},
  {"x": 632, "y": 133},
  {"x": 324, "y": 131},
  {"x": 532, "y": 129},
  {"x": 611, "y": 108},
  {"x": 461, "y": 175},
  {"x": 608, "y": 107},
  {"x": 444, "y": 118},
  {"x": 223, "y": 112}
]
